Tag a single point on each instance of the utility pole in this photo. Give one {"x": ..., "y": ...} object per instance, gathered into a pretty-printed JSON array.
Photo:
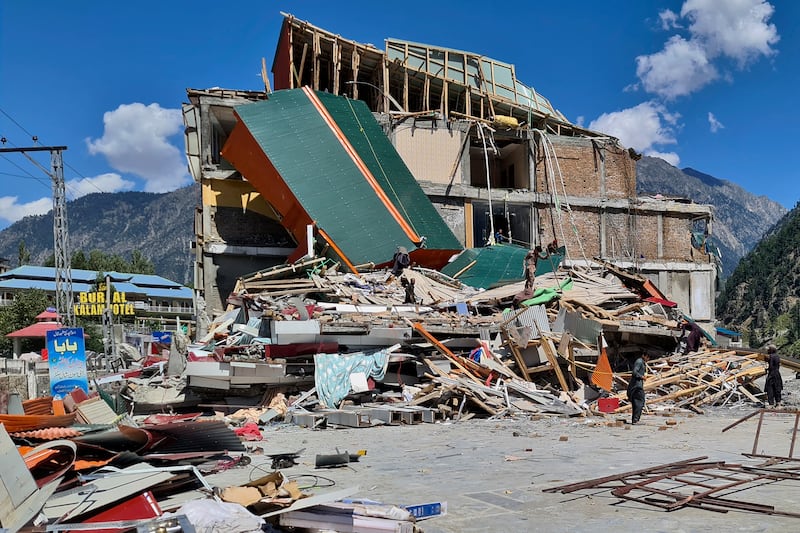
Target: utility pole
[{"x": 64, "y": 299}]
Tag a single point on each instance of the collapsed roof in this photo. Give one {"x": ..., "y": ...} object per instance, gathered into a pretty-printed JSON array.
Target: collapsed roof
[{"x": 323, "y": 160}]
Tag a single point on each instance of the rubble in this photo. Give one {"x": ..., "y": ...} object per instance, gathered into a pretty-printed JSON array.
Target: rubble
[{"x": 313, "y": 347}]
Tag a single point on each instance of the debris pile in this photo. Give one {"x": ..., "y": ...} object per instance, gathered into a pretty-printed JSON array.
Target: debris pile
[{"x": 307, "y": 345}]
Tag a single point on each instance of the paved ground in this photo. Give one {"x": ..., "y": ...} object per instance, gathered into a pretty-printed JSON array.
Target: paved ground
[{"x": 492, "y": 473}]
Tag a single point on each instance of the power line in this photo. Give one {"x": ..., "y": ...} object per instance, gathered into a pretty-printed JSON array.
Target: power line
[
  {"x": 46, "y": 185},
  {"x": 36, "y": 141}
]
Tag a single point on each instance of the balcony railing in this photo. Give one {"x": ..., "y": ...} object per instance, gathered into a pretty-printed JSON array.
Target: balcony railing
[{"x": 172, "y": 309}]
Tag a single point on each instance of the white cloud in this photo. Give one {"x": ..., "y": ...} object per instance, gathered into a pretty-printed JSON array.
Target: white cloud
[
  {"x": 135, "y": 141},
  {"x": 731, "y": 29},
  {"x": 108, "y": 182},
  {"x": 713, "y": 123},
  {"x": 670, "y": 157},
  {"x": 681, "y": 68},
  {"x": 11, "y": 210},
  {"x": 738, "y": 29},
  {"x": 640, "y": 127},
  {"x": 669, "y": 19}
]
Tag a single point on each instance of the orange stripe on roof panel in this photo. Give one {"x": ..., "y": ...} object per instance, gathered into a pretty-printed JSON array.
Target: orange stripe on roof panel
[{"x": 409, "y": 231}]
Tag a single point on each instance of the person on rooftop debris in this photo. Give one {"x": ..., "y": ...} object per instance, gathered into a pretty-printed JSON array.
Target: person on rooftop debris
[
  {"x": 695, "y": 334},
  {"x": 401, "y": 260},
  {"x": 774, "y": 383},
  {"x": 636, "y": 387},
  {"x": 499, "y": 236},
  {"x": 409, "y": 285},
  {"x": 529, "y": 269}
]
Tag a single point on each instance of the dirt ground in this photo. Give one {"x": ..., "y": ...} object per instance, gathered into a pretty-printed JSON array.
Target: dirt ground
[{"x": 492, "y": 473}]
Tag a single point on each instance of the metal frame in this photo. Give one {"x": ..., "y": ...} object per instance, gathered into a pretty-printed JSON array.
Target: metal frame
[{"x": 675, "y": 485}]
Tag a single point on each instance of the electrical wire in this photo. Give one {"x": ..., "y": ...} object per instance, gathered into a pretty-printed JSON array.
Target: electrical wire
[
  {"x": 30, "y": 176},
  {"x": 328, "y": 482},
  {"x": 550, "y": 157},
  {"x": 488, "y": 183},
  {"x": 36, "y": 140}
]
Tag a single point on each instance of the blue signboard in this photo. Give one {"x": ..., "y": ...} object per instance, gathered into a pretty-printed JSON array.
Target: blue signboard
[
  {"x": 164, "y": 337},
  {"x": 67, "y": 359}
]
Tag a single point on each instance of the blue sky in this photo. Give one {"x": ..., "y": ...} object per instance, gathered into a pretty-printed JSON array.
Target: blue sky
[{"x": 707, "y": 84}]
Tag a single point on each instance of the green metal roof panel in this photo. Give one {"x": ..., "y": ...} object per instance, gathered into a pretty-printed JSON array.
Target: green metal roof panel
[
  {"x": 497, "y": 265},
  {"x": 323, "y": 178},
  {"x": 390, "y": 171}
]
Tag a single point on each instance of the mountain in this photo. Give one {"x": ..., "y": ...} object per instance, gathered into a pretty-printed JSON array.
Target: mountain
[
  {"x": 761, "y": 298},
  {"x": 158, "y": 225},
  {"x": 161, "y": 225},
  {"x": 740, "y": 218}
]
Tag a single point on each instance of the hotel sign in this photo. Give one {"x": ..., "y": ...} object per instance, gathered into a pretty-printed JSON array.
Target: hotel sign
[
  {"x": 67, "y": 361},
  {"x": 95, "y": 303}
]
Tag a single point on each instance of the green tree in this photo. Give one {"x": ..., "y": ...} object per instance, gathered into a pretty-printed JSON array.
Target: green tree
[
  {"x": 140, "y": 264},
  {"x": 21, "y": 313},
  {"x": 79, "y": 260},
  {"x": 103, "y": 262},
  {"x": 24, "y": 255}
]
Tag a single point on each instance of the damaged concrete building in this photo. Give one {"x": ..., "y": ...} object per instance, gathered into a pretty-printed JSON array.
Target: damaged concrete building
[{"x": 488, "y": 151}]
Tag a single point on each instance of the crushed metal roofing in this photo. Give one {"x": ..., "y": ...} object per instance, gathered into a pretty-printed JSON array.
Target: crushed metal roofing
[
  {"x": 334, "y": 159},
  {"x": 196, "y": 436},
  {"x": 48, "y": 433}
]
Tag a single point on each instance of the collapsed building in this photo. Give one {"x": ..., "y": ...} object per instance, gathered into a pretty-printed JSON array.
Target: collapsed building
[{"x": 488, "y": 151}]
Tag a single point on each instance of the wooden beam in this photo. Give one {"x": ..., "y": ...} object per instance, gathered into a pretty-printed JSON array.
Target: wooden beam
[
  {"x": 337, "y": 65},
  {"x": 316, "y": 53},
  {"x": 550, "y": 352}
]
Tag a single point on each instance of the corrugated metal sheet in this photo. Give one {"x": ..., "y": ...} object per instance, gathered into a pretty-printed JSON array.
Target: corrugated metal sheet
[
  {"x": 583, "y": 329},
  {"x": 183, "y": 293},
  {"x": 359, "y": 126},
  {"x": 40, "y": 284},
  {"x": 335, "y": 162},
  {"x": 27, "y": 277},
  {"x": 27, "y": 271},
  {"x": 127, "y": 287},
  {"x": 196, "y": 436},
  {"x": 321, "y": 175},
  {"x": 495, "y": 265},
  {"x": 15, "y": 423},
  {"x": 535, "y": 317},
  {"x": 38, "y": 406},
  {"x": 95, "y": 411},
  {"x": 48, "y": 434},
  {"x": 147, "y": 280}
]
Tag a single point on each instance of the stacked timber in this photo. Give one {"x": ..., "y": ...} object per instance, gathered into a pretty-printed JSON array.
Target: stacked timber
[{"x": 710, "y": 377}]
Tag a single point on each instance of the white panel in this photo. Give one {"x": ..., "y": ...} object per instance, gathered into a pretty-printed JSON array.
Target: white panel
[
  {"x": 701, "y": 296},
  {"x": 429, "y": 154}
]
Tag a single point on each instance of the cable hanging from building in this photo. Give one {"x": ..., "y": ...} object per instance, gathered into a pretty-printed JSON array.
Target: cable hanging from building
[{"x": 553, "y": 170}]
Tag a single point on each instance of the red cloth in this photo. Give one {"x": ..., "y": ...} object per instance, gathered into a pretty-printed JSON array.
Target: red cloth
[{"x": 249, "y": 431}]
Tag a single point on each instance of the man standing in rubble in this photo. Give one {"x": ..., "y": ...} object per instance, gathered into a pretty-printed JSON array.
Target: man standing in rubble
[
  {"x": 695, "y": 334},
  {"x": 774, "y": 383},
  {"x": 400, "y": 261},
  {"x": 636, "y": 387}
]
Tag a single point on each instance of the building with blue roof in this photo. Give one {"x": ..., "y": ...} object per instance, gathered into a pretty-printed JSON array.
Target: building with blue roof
[{"x": 144, "y": 296}]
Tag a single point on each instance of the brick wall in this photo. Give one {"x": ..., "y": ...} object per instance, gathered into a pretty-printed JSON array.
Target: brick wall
[
  {"x": 589, "y": 168},
  {"x": 677, "y": 240}
]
